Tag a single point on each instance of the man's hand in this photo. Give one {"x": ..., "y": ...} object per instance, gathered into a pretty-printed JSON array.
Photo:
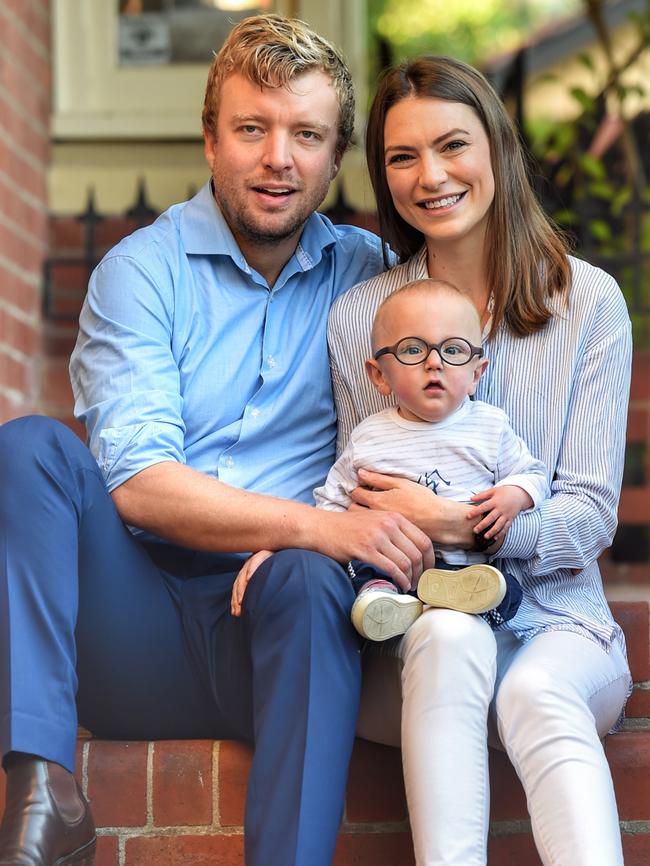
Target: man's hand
[
  {"x": 243, "y": 578},
  {"x": 384, "y": 539},
  {"x": 497, "y": 507}
]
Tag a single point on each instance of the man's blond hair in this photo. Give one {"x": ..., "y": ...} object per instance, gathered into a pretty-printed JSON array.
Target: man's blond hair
[{"x": 270, "y": 51}]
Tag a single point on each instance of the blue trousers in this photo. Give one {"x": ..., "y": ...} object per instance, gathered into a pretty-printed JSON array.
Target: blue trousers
[{"x": 137, "y": 642}]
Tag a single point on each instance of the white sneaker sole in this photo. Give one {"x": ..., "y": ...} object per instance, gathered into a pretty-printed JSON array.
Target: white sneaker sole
[
  {"x": 382, "y": 615},
  {"x": 474, "y": 589}
]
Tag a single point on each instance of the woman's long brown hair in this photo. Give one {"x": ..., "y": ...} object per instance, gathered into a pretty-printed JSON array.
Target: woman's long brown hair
[{"x": 527, "y": 255}]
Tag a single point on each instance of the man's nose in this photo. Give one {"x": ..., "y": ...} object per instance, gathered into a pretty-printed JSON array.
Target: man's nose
[{"x": 278, "y": 154}]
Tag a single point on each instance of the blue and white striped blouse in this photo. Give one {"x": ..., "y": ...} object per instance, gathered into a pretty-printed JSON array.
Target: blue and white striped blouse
[{"x": 565, "y": 390}]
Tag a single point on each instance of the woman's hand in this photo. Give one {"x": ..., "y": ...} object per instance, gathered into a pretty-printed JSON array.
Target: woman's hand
[
  {"x": 443, "y": 520},
  {"x": 243, "y": 578}
]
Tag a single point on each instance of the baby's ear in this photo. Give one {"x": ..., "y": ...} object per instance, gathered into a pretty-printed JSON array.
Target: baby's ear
[
  {"x": 478, "y": 372},
  {"x": 377, "y": 377}
]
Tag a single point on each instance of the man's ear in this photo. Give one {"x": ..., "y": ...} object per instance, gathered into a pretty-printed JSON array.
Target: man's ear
[
  {"x": 336, "y": 165},
  {"x": 478, "y": 372},
  {"x": 377, "y": 377},
  {"x": 209, "y": 146}
]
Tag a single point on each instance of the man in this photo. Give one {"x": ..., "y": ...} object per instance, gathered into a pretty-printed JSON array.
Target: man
[{"x": 201, "y": 374}]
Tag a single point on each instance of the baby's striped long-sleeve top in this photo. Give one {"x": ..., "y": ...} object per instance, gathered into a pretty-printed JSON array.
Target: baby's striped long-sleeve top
[{"x": 471, "y": 450}]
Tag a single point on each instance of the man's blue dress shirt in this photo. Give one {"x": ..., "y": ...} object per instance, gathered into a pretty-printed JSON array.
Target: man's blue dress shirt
[{"x": 185, "y": 354}]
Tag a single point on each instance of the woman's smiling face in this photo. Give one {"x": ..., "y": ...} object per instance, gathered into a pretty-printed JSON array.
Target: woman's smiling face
[{"x": 438, "y": 169}]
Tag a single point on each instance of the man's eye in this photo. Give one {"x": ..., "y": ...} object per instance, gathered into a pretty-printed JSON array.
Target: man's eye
[{"x": 308, "y": 134}]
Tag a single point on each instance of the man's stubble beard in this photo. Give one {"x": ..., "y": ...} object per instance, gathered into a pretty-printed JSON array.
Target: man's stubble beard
[{"x": 246, "y": 225}]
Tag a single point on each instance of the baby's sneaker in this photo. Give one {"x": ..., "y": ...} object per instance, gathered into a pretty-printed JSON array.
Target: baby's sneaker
[
  {"x": 474, "y": 589},
  {"x": 381, "y": 612}
]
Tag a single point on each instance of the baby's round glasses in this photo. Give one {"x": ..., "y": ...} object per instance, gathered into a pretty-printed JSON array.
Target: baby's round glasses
[{"x": 414, "y": 350}]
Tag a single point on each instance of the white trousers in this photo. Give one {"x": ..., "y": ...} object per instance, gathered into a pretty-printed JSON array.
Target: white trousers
[{"x": 547, "y": 702}]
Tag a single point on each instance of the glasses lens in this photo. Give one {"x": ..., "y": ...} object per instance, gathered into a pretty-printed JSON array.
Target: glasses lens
[
  {"x": 456, "y": 351},
  {"x": 411, "y": 351}
]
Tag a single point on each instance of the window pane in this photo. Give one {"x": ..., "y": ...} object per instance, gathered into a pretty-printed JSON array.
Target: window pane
[{"x": 155, "y": 32}]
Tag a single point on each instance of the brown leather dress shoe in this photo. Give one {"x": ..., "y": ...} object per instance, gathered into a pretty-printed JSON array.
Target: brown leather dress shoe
[{"x": 47, "y": 821}]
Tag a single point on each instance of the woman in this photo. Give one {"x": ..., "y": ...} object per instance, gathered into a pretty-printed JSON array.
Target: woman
[{"x": 454, "y": 203}]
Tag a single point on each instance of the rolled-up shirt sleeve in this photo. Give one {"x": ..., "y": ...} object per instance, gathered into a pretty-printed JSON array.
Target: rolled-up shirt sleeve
[{"x": 124, "y": 375}]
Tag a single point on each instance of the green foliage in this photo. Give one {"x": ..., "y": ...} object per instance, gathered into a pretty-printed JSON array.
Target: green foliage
[
  {"x": 471, "y": 30},
  {"x": 598, "y": 198},
  {"x": 586, "y": 102}
]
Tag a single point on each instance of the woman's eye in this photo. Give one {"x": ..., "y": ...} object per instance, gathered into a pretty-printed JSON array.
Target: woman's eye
[
  {"x": 455, "y": 145},
  {"x": 399, "y": 158}
]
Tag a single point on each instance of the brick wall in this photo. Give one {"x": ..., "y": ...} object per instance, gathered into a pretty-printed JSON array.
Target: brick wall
[{"x": 24, "y": 150}]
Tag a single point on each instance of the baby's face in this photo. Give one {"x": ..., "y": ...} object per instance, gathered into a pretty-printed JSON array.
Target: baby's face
[{"x": 432, "y": 390}]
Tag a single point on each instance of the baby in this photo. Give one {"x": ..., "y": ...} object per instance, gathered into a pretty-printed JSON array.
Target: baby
[{"x": 426, "y": 353}]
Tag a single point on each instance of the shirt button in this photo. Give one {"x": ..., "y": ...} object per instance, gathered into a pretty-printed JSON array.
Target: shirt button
[
  {"x": 270, "y": 361},
  {"x": 255, "y": 413},
  {"x": 230, "y": 462}
]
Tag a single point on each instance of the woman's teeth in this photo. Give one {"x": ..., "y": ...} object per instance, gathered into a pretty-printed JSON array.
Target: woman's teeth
[{"x": 442, "y": 202}]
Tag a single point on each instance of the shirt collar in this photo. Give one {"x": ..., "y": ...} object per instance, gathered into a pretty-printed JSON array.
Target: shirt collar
[{"x": 204, "y": 231}]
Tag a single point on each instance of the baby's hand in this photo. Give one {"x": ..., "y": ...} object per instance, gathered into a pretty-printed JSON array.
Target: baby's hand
[
  {"x": 498, "y": 506},
  {"x": 241, "y": 581}
]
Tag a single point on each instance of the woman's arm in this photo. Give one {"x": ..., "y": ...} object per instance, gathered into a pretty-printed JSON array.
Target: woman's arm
[{"x": 574, "y": 526}]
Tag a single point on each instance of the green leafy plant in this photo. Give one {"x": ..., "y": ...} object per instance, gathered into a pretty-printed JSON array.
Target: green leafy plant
[{"x": 600, "y": 192}]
